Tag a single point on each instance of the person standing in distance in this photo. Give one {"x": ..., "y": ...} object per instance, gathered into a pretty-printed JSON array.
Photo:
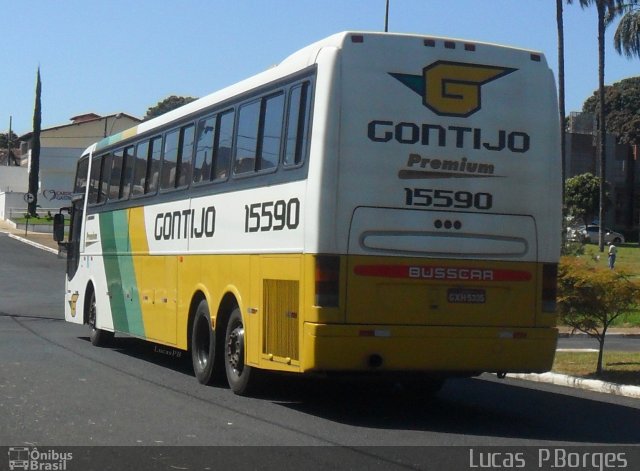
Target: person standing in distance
[{"x": 613, "y": 250}]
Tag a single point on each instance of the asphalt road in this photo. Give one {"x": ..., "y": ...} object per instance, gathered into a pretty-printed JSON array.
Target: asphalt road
[{"x": 56, "y": 389}]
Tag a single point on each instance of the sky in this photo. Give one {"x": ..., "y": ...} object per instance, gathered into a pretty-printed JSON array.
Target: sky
[{"x": 115, "y": 56}]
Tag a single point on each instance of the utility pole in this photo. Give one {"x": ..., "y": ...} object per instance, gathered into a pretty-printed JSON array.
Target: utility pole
[
  {"x": 386, "y": 19},
  {"x": 9, "y": 141}
]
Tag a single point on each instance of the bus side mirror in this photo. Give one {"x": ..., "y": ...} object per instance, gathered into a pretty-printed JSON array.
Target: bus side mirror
[{"x": 58, "y": 227}]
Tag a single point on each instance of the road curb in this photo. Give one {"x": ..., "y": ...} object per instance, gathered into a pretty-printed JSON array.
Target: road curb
[
  {"x": 32, "y": 243},
  {"x": 609, "y": 334},
  {"x": 580, "y": 383}
]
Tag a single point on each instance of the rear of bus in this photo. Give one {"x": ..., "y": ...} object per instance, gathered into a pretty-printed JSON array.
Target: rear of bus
[{"x": 439, "y": 244}]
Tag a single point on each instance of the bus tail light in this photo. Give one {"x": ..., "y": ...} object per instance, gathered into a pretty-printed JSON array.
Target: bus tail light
[
  {"x": 549, "y": 286},
  {"x": 327, "y": 280}
]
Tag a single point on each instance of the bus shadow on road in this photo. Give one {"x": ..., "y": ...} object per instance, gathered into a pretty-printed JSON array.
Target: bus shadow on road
[
  {"x": 483, "y": 407},
  {"x": 475, "y": 406},
  {"x": 176, "y": 360}
]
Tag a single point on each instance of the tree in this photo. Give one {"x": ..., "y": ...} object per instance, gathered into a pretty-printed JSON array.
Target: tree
[
  {"x": 166, "y": 105},
  {"x": 607, "y": 9},
  {"x": 34, "y": 169},
  {"x": 622, "y": 109},
  {"x": 582, "y": 194},
  {"x": 3, "y": 140},
  {"x": 627, "y": 37},
  {"x": 590, "y": 298}
]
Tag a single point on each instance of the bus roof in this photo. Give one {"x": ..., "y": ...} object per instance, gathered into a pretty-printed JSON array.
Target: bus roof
[{"x": 297, "y": 61}]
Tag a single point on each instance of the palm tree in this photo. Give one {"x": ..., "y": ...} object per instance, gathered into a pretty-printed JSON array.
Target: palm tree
[
  {"x": 561, "y": 103},
  {"x": 627, "y": 37},
  {"x": 607, "y": 10}
]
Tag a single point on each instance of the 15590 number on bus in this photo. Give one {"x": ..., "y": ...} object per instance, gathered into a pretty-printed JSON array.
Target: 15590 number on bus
[
  {"x": 431, "y": 198},
  {"x": 272, "y": 215}
]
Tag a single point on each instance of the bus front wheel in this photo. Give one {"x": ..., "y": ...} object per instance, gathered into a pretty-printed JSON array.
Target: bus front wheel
[
  {"x": 242, "y": 378},
  {"x": 203, "y": 344},
  {"x": 98, "y": 337}
]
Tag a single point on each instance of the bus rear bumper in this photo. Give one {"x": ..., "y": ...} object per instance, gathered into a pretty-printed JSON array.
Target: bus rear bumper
[{"x": 375, "y": 348}]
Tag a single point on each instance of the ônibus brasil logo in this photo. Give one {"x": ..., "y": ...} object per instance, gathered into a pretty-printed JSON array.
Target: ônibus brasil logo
[
  {"x": 452, "y": 88},
  {"x": 32, "y": 459}
]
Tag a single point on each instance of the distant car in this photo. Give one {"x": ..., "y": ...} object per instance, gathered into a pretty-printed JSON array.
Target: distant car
[
  {"x": 591, "y": 235},
  {"x": 576, "y": 234}
]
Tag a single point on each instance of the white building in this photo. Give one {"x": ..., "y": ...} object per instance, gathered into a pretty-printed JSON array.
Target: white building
[{"x": 60, "y": 148}]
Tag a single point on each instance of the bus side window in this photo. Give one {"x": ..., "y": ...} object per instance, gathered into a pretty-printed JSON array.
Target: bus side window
[
  {"x": 105, "y": 171},
  {"x": 259, "y": 135},
  {"x": 116, "y": 175},
  {"x": 140, "y": 170},
  {"x": 185, "y": 156},
  {"x": 176, "y": 158},
  {"x": 271, "y": 132},
  {"x": 127, "y": 173},
  {"x": 94, "y": 183},
  {"x": 247, "y": 138},
  {"x": 169, "y": 160},
  {"x": 81, "y": 176},
  {"x": 297, "y": 125},
  {"x": 222, "y": 146},
  {"x": 153, "y": 166},
  {"x": 204, "y": 149}
]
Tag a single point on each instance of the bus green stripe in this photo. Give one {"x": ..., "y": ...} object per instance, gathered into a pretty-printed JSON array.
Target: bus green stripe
[{"x": 120, "y": 273}]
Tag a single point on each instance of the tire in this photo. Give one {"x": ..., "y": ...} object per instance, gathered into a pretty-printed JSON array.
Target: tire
[
  {"x": 241, "y": 377},
  {"x": 203, "y": 345},
  {"x": 98, "y": 337}
]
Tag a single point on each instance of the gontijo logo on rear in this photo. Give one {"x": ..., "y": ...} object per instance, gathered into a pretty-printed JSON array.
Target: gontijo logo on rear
[{"x": 452, "y": 88}]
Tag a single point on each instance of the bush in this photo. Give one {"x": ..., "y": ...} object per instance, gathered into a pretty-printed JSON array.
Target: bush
[
  {"x": 590, "y": 298},
  {"x": 573, "y": 248}
]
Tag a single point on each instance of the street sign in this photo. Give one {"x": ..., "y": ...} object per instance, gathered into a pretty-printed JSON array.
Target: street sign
[{"x": 29, "y": 198}]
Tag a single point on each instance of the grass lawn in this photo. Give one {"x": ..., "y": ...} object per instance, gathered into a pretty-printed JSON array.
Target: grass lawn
[
  {"x": 618, "y": 367},
  {"x": 628, "y": 261},
  {"x": 40, "y": 220}
]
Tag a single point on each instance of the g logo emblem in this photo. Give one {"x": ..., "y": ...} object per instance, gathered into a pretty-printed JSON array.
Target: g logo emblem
[{"x": 452, "y": 88}]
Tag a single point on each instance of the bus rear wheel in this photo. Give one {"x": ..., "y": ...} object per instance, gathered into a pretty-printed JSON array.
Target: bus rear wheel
[
  {"x": 242, "y": 378},
  {"x": 98, "y": 337},
  {"x": 203, "y": 345}
]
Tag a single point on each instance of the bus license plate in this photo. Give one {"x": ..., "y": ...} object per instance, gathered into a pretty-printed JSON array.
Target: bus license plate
[{"x": 469, "y": 296}]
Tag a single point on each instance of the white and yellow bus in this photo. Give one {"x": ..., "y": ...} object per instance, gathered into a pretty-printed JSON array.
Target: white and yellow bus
[{"x": 378, "y": 203}]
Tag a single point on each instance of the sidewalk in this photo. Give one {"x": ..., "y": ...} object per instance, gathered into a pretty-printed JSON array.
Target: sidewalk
[{"x": 40, "y": 240}]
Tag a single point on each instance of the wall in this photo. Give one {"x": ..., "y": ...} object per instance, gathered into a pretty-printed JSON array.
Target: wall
[
  {"x": 60, "y": 149},
  {"x": 57, "y": 170},
  {"x": 9, "y": 201},
  {"x": 621, "y": 175},
  {"x": 82, "y": 135},
  {"x": 13, "y": 179}
]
